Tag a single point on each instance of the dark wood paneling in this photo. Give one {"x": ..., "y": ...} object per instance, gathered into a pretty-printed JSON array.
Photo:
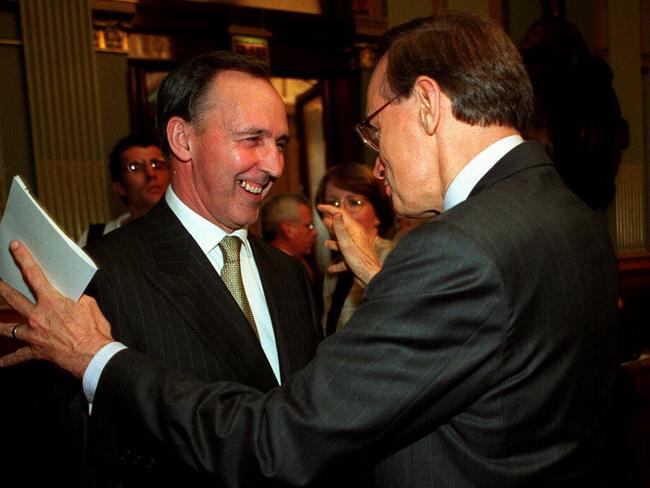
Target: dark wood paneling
[{"x": 634, "y": 291}]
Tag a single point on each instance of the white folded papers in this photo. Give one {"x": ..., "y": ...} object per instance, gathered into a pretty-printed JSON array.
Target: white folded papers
[{"x": 65, "y": 264}]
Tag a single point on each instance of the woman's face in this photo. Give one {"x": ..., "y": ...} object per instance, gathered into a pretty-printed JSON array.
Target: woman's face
[{"x": 356, "y": 204}]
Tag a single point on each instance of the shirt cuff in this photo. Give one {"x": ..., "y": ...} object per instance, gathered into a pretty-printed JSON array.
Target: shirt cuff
[{"x": 95, "y": 368}]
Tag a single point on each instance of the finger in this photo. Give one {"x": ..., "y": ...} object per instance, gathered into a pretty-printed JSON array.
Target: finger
[
  {"x": 337, "y": 267},
  {"x": 88, "y": 303},
  {"x": 327, "y": 222},
  {"x": 328, "y": 210},
  {"x": 331, "y": 245},
  {"x": 30, "y": 269},
  {"x": 7, "y": 328},
  {"x": 19, "y": 302},
  {"x": 19, "y": 356},
  {"x": 338, "y": 225}
]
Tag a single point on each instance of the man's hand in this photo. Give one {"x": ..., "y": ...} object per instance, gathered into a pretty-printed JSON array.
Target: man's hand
[
  {"x": 353, "y": 242},
  {"x": 59, "y": 330}
]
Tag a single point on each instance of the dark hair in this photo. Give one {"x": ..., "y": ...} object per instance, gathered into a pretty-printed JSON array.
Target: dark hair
[
  {"x": 135, "y": 139},
  {"x": 278, "y": 208},
  {"x": 358, "y": 178},
  {"x": 182, "y": 92},
  {"x": 473, "y": 60}
]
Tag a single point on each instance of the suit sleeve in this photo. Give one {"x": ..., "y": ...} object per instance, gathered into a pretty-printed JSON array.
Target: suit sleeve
[{"x": 424, "y": 344}]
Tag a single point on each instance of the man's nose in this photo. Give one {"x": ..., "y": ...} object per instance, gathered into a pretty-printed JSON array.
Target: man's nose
[
  {"x": 273, "y": 161},
  {"x": 149, "y": 171}
]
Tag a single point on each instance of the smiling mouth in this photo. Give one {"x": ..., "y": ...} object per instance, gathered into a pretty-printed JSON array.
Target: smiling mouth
[{"x": 253, "y": 188}]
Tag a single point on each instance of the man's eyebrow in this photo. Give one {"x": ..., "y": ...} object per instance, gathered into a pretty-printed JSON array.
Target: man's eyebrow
[
  {"x": 252, "y": 131},
  {"x": 256, "y": 131}
]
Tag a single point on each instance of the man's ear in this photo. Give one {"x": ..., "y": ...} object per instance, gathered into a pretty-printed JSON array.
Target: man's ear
[
  {"x": 427, "y": 92},
  {"x": 119, "y": 189},
  {"x": 286, "y": 228},
  {"x": 178, "y": 132}
]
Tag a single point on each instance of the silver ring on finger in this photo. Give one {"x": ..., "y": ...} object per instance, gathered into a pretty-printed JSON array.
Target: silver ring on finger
[{"x": 13, "y": 332}]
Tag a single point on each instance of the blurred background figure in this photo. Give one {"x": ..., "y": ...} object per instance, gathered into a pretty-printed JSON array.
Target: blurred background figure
[
  {"x": 140, "y": 175},
  {"x": 353, "y": 187},
  {"x": 288, "y": 224},
  {"x": 577, "y": 115},
  {"x": 578, "y": 119}
]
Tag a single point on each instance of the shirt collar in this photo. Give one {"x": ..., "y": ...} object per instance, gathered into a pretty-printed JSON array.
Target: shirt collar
[
  {"x": 206, "y": 234},
  {"x": 470, "y": 175}
]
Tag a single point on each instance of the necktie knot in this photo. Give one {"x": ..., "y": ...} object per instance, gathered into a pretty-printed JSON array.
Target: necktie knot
[{"x": 230, "y": 247}]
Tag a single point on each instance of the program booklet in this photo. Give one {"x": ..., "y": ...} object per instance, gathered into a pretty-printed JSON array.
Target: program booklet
[{"x": 65, "y": 264}]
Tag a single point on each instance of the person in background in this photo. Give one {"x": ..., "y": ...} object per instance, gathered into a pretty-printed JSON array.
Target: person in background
[
  {"x": 140, "y": 175},
  {"x": 484, "y": 351},
  {"x": 577, "y": 115},
  {"x": 287, "y": 224},
  {"x": 353, "y": 187}
]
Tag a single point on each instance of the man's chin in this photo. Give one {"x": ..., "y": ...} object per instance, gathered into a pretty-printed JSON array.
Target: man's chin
[{"x": 153, "y": 201}]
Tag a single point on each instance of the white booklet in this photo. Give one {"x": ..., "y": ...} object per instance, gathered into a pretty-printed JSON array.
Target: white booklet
[{"x": 65, "y": 264}]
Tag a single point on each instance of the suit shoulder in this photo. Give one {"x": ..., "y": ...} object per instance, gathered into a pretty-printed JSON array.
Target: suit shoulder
[{"x": 127, "y": 240}]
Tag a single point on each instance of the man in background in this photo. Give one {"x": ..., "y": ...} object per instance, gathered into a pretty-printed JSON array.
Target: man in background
[
  {"x": 288, "y": 224},
  {"x": 140, "y": 175}
]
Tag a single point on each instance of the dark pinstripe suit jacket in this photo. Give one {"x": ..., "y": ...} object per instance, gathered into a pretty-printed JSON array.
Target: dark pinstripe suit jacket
[
  {"x": 163, "y": 298},
  {"x": 483, "y": 355}
]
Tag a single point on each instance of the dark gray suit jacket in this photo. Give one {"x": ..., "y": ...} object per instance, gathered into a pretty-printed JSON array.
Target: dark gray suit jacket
[
  {"x": 483, "y": 355},
  {"x": 163, "y": 298}
]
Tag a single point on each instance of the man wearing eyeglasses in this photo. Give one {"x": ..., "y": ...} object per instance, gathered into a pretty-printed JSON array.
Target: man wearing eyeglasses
[
  {"x": 140, "y": 175},
  {"x": 484, "y": 352},
  {"x": 288, "y": 224}
]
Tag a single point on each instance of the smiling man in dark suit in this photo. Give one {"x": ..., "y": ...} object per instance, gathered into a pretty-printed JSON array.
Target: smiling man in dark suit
[
  {"x": 224, "y": 130},
  {"x": 484, "y": 352}
]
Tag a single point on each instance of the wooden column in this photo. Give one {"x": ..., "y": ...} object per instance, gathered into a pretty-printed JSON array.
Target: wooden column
[
  {"x": 632, "y": 184},
  {"x": 65, "y": 114}
]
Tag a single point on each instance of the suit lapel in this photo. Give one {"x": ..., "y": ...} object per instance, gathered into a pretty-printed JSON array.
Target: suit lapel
[
  {"x": 186, "y": 278},
  {"x": 278, "y": 301}
]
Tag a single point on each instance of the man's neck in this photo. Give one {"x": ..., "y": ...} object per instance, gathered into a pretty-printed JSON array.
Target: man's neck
[
  {"x": 465, "y": 144},
  {"x": 284, "y": 246},
  {"x": 135, "y": 213}
]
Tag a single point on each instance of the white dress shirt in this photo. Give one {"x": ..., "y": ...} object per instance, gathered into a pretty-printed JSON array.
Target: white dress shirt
[
  {"x": 207, "y": 235},
  {"x": 476, "y": 169}
]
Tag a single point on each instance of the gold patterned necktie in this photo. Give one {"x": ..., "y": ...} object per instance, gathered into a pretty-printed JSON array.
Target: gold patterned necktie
[{"x": 231, "y": 276}]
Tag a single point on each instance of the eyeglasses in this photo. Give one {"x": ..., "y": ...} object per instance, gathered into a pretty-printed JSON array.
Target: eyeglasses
[
  {"x": 140, "y": 166},
  {"x": 351, "y": 204},
  {"x": 308, "y": 225},
  {"x": 369, "y": 133}
]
